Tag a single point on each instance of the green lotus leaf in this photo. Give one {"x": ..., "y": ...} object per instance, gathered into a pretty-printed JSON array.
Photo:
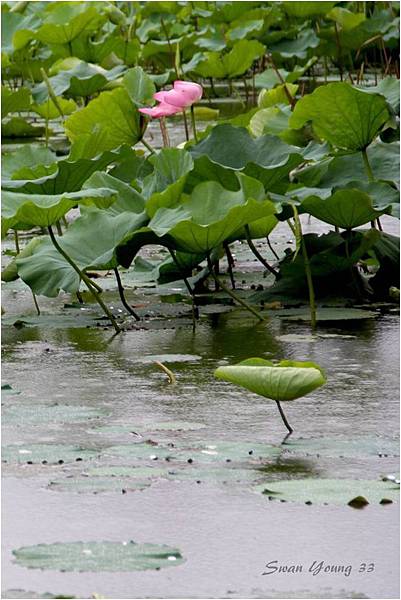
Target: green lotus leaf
[
  {"x": 96, "y": 485},
  {"x": 84, "y": 79},
  {"x": 390, "y": 89},
  {"x": 114, "y": 114},
  {"x": 25, "y": 157},
  {"x": 346, "y": 208},
  {"x": 69, "y": 176},
  {"x": 304, "y": 10},
  {"x": 10, "y": 272},
  {"x": 47, "y": 272},
  {"x": 25, "y": 211},
  {"x": 236, "y": 62},
  {"x": 17, "y": 127},
  {"x": 342, "y": 115},
  {"x": 139, "y": 86},
  {"x": 298, "y": 47},
  {"x": 330, "y": 491},
  {"x": 277, "y": 95},
  {"x": 51, "y": 453},
  {"x": 98, "y": 556},
  {"x": 128, "y": 200},
  {"x": 14, "y": 101},
  {"x": 65, "y": 21},
  {"x": 48, "y": 111},
  {"x": 267, "y": 158},
  {"x": 283, "y": 382}
]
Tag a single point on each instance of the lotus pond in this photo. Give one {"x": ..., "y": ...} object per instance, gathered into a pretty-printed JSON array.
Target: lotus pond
[{"x": 200, "y": 299}]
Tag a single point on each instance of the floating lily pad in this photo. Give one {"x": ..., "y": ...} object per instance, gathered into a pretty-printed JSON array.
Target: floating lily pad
[
  {"x": 95, "y": 485},
  {"x": 135, "y": 428},
  {"x": 329, "y": 491},
  {"x": 11, "y": 594},
  {"x": 325, "y": 314},
  {"x": 337, "y": 447},
  {"x": 8, "y": 390},
  {"x": 34, "y": 414},
  {"x": 142, "y": 451},
  {"x": 131, "y": 472},
  {"x": 215, "y": 475},
  {"x": 234, "y": 452},
  {"x": 168, "y": 358},
  {"x": 98, "y": 556},
  {"x": 51, "y": 453},
  {"x": 66, "y": 321},
  {"x": 297, "y": 338}
]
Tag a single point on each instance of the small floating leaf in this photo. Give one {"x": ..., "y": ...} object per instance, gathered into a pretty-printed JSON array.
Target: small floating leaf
[
  {"x": 98, "y": 484},
  {"x": 34, "y": 414},
  {"x": 330, "y": 491},
  {"x": 98, "y": 556},
  {"x": 51, "y": 453}
]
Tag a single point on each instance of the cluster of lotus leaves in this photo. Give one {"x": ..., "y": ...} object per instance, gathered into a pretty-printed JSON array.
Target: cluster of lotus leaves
[{"x": 283, "y": 381}]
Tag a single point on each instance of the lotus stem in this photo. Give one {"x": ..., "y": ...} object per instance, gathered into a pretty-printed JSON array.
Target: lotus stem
[
  {"x": 163, "y": 128},
  {"x": 231, "y": 263},
  {"x": 16, "y": 241},
  {"x": 286, "y": 423},
  {"x": 193, "y": 123},
  {"x": 271, "y": 248},
  {"x": 308, "y": 272},
  {"x": 231, "y": 293},
  {"x": 59, "y": 230},
  {"x": 35, "y": 301},
  {"x": 85, "y": 279},
  {"x": 256, "y": 252},
  {"x": 122, "y": 296},
  {"x": 51, "y": 92},
  {"x": 184, "y": 114},
  {"x": 195, "y": 311},
  {"x": 148, "y": 146},
  {"x": 169, "y": 373},
  {"x": 368, "y": 168}
]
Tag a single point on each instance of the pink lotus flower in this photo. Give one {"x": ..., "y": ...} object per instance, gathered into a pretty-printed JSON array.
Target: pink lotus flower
[{"x": 183, "y": 95}]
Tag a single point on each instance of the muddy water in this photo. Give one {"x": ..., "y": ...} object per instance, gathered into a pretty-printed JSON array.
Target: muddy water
[{"x": 227, "y": 533}]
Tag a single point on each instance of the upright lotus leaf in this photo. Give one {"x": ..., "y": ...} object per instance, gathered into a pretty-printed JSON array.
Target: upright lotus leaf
[
  {"x": 287, "y": 380},
  {"x": 25, "y": 211},
  {"x": 114, "y": 114},
  {"x": 48, "y": 111},
  {"x": 303, "y": 10},
  {"x": 66, "y": 21},
  {"x": 14, "y": 101},
  {"x": 47, "y": 272},
  {"x": 139, "y": 86},
  {"x": 298, "y": 47},
  {"x": 277, "y": 95},
  {"x": 343, "y": 115},
  {"x": 236, "y": 62},
  {"x": 267, "y": 158},
  {"x": 281, "y": 382},
  {"x": 212, "y": 214},
  {"x": 346, "y": 208},
  {"x": 83, "y": 79},
  {"x": 128, "y": 199},
  {"x": 69, "y": 176},
  {"x": 163, "y": 187},
  {"x": 10, "y": 272},
  {"x": 25, "y": 157},
  {"x": 389, "y": 88},
  {"x": 275, "y": 121}
]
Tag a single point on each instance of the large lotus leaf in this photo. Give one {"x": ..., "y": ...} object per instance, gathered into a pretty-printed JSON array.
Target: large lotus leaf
[
  {"x": 98, "y": 556},
  {"x": 236, "y": 62},
  {"x": 347, "y": 208},
  {"x": 114, "y": 114},
  {"x": 277, "y": 95},
  {"x": 128, "y": 199},
  {"x": 133, "y": 242},
  {"x": 164, "y": 186},
  {"x": 267, "y": 158},
  {"x": 69, "y": 175},
  {"x": 384, "y": 160},
  {"x": 331, "y": 491},
  {"x": 14, "y": 101},
  {"x": 47, "y": 272},
  {"x": 16, "y": 30},
  {"x": 212, "y": 215},
  {"x": 298, "y": 47},
  {"x": 274, "y": 121},
  {"x": 17, "y": 127},
  {"x": 26, "y": 156},
  {"x": 84, "y": 79},
  {"x": 389, "y": 87},
  {"x": 343, "y": 115},
  {"x": 24, "y": 211},
  {"x": 260, "y": 228},
  {"x": 10, "y": 272},
  {"x": 304, "y": 10},
  {"x": 96, "y": 485},
  {"x": 65, "y": 21},
  {"x": 286, "y": 381}
]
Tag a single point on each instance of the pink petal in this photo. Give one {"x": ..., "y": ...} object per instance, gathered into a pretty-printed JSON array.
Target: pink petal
[
  {"x": 189, "y": 87},
  {"x": 161, "y": 110}
]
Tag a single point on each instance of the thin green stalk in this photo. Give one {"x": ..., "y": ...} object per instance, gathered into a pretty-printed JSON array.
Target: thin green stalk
[
  {"x": 163, "y": 129},
  {"x": 286, "y": 423},
  {"x": 184, "y": 114},
  {"x": 59, "y": 230},
  {"x": 35, "y": 302},
  {"x": 230, "y": 262},
  {"x": 193, "y": 123},
  {"x": 148, "y": 146},
  {"x": 231, "y": 293},
  {"x": 85, "y": 279},
  {"x": 195, "y": 310},
  {"x": 256, "y": 252},
  {"x": 51, "y": 92},
  {"x": 308, "y": 272},
  {"x": 16, "y": 241},
  {"x": 271, "y": 248},
  {"x": 122, "y": 296},
  {"x": 368, "y": 168}
]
